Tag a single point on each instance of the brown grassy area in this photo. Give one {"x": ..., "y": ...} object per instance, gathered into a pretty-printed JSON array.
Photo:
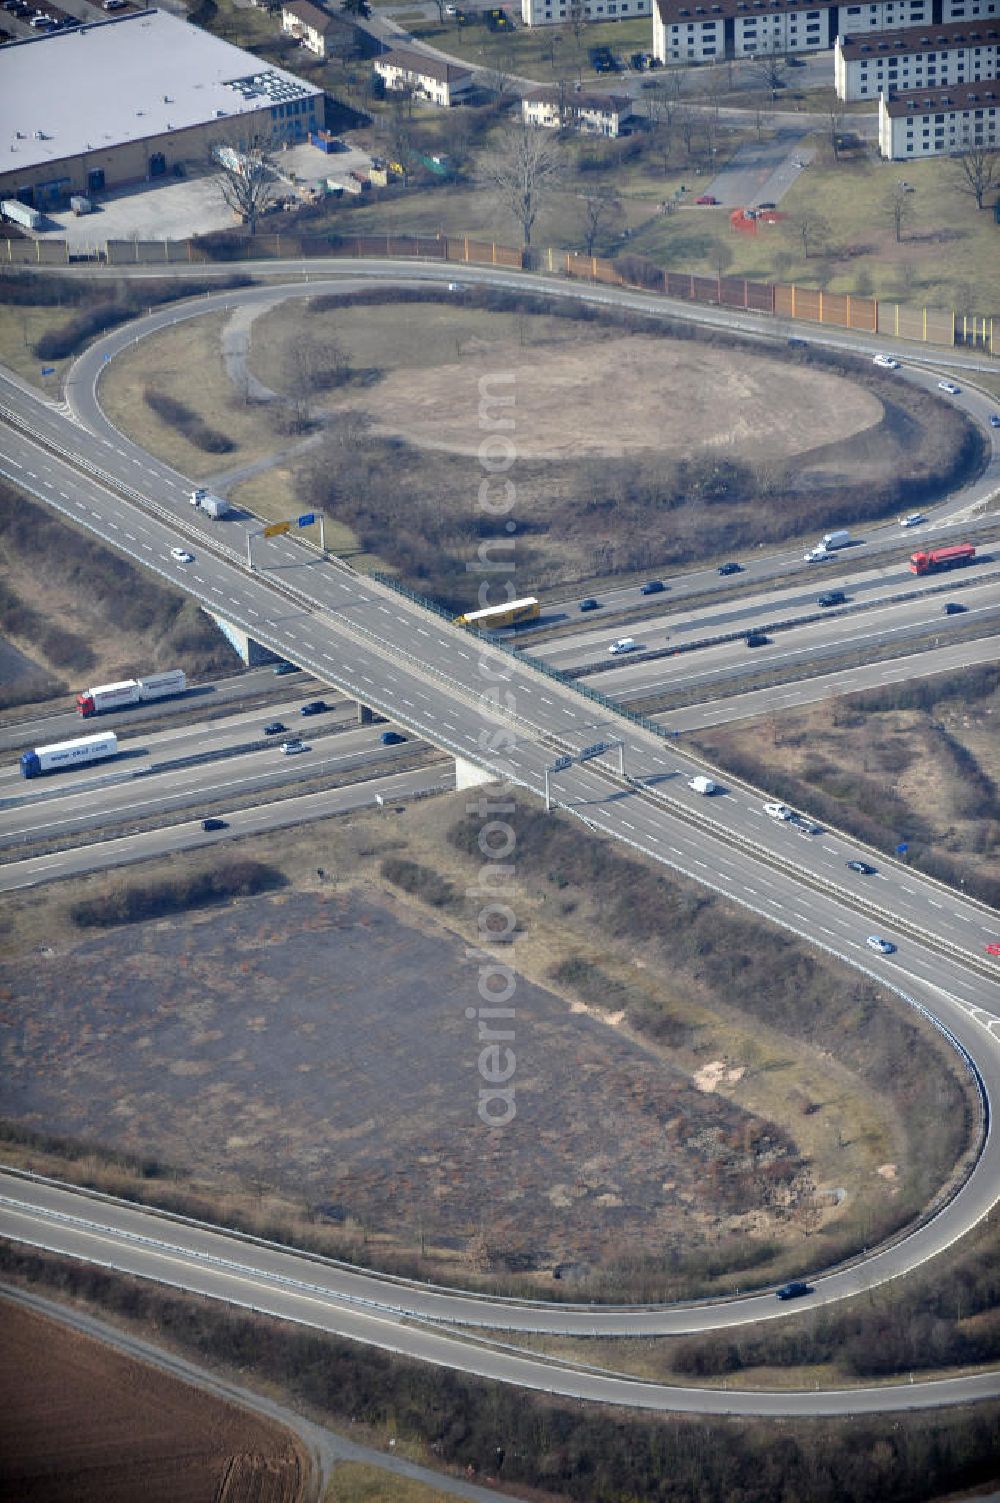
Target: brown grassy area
[
  {"x": 725, "y": 1191},
  {"x": 919, "y": 762},
  {"x": 80, "y": 1420},
  {"x": 81, "y": 613},
  {"x": 723, "y": 453},
  {"x": 185, "y": 363}
]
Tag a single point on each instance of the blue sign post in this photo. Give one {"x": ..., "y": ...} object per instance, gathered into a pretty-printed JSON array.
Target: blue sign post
[
  {"x": 902, "y": 848},
  {"x": 48, "y": 370},
  {"x": 307, "y": 519}
]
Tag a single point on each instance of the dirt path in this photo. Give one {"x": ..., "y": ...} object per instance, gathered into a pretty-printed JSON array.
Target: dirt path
[{"x": 324, "y": 1447}]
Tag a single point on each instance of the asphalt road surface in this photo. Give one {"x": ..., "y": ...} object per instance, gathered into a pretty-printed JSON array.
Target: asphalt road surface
[{"x": 433, "y": 679}]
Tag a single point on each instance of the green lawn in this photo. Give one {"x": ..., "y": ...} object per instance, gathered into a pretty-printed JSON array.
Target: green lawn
[
  {"x": 947, "y": 257},
  {"x": 542, "y": 52}
]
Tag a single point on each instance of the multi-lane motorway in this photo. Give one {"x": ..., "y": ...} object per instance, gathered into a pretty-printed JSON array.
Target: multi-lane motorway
[{"x": 436, "y": 682}]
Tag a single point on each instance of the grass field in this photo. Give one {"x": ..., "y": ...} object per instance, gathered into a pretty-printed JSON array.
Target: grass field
[{"x": 544, "y": 53}]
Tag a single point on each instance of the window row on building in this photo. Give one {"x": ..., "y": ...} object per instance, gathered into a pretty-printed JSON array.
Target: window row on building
[
  {"x": 925, "y": 123},
  {"x": 918, "y": 58}
]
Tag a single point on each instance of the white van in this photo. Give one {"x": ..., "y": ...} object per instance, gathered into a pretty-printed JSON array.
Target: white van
[
  {"x": 837, "y": 539},
  {"x": 624, "y": 644},
  {"x": 702, "y": 784}
]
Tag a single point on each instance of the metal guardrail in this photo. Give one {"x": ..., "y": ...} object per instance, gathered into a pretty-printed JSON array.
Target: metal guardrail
[{"x": 540, "y": 736}]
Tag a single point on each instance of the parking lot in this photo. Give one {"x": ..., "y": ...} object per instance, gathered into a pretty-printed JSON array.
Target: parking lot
[{"x": 177, "y": 208}]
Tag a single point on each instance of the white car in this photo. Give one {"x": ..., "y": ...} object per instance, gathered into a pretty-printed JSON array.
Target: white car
[
  {"x": 949, "y": 387},
  {"x": 778, "y": 811},
  {"x": 624, "y": 644},
  {"x": 886, "y": 362},
  {"x": 182, "y": 556},
  {"x": 291, "y": 747},
  {"x": 913, "y": 520},
  {"x": 883, "y": 946}
]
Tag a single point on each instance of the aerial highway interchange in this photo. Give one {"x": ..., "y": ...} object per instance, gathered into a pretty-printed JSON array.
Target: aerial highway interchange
[{"x": 427, "y": 676}]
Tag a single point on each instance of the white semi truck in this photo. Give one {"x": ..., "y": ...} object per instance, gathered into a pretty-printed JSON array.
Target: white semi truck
[
  {"x": 62, "y": 754},
  {"x": 213, "y": 506}
]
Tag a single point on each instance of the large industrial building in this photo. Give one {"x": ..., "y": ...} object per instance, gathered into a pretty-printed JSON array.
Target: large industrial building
[{"x": 131, "y": 100}]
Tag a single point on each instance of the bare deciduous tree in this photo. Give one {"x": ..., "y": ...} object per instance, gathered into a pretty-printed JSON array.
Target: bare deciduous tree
[
  {"x": 976, "y": 169},
  {"x": 812, "y": 230},
  {"x": 836, "y": 119},
  {"x": 601, "y": 209},
  {"x": 498, "y": 78},
  {"x": 523, "y": 167},
  {"x": 768, "y": 70},
  {"x": 899, "y": 210},
  {"x": 246, "y": 179}
]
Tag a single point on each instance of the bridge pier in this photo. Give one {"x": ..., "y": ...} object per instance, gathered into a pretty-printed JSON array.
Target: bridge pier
[
  {"x": 253, "y": 654},
  {"x": 365, "y": 714}
]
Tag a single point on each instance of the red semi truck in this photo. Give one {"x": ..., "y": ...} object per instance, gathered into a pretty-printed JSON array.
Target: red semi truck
[
  {"x": 130, "y": 691},
  {"x": 934, "y": 560}
]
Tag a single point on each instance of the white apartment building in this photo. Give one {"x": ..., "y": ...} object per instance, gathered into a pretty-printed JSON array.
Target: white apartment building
[
  {"x": 685, "y": 31},
  {"x": 424, "y": 77},
  {"x": 590, "y": 114},
  {"x": 563, "y": 12},
  {"x": 927, "y": 123},
  {"x": 923, "y": 57}
]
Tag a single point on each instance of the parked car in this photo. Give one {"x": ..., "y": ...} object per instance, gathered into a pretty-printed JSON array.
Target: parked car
[
  {"x": 706, "y": 198},
  {"x": 767, "y": 204},
  {"x": 653, "y": 587},
  {"x": 275, "y": 728},
  {"x": 886, "y": 362},
  {"x": 392, "y": 738},
  {"x": 995, "y": 420},
  {"x": 730, "y": 569},
  {"x": 913, "y": 520},
  {"x": 757, "y": 639},
  {"x": 883, "y": 946},
  {"x": 182, "y": 556},
  {"x": 794, "y": 1290},
  {"x": 831, "y": 597},
  {"x": 287, "y": 668},
  {"x": 291, "y": 747},
  {"x": 864, "y": 867},
  {"x": 954, "y": 608},
  {"x": 778, "y": 811},
  {"x": 590, "y": 604},
  {"x": 797, "y": 344},
  {"x": 949, "y": 387},
  {"x": 314, "y": 707},
  {"x": 623, "y": 644},
  {"x": 213, "y": 824}
]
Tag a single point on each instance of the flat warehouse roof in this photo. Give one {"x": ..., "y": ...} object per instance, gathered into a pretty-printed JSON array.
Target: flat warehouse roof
[{"x": 122, "y": 80}]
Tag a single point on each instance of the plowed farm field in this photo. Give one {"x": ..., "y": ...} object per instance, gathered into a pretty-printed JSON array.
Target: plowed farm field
[{"x": 82, "y": 1422}]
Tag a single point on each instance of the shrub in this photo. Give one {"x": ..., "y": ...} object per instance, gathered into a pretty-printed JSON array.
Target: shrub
[
  {"x": 419, "y": 880},
  {"x": 130, "y": 902},
  {"x": 187, "y": 422}
]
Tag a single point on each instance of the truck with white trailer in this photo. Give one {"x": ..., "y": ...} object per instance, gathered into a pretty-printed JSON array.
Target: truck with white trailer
[
  {"x": 63, "y": 754},
  {"x": 130, "y": 691},
  {"x": 22, "y": 214},
  {"x": 213, "y": 506}
]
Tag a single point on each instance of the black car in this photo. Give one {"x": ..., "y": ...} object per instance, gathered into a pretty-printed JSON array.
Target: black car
[
  {"x": 767, "y": 205},
  {"x": 730, "y": 569},
  {"x": 652, "y": 587},
  {"x": 757, "y": 639},
  {"x": 392, "y": 738},
  {"x": 954, "y": 608},
  {"x": 794, "y": 1289},
  {"x": 797, "y": 344},
  {"x": 832, "y": 597},
  {"x": 213, "y": 824},
  {"x": 286, "y": 668},
  {"x": 864, "y": 867},
  {"x": 314, "y": 707},
  {"x": 275, "y": 728},
  {"x": 590, "y": 604}
]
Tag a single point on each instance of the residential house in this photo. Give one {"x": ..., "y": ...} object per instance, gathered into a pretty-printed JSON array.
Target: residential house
[{"x": 429, "y": 78}]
